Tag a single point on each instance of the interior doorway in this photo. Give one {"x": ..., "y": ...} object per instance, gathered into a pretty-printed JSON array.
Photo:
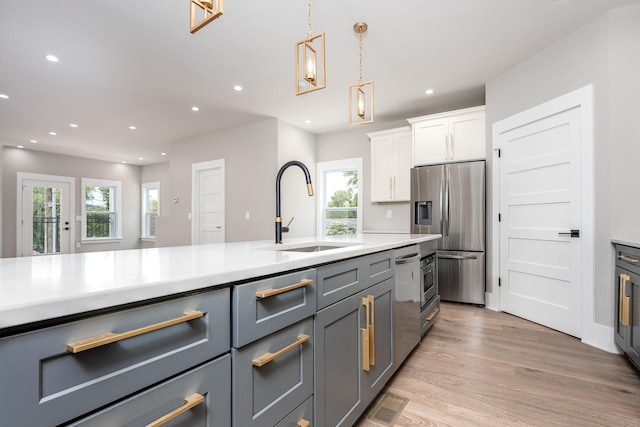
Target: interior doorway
[
  {"x": 45, "y": 207},
  {"x": 207, "y": 202},
  {"x": 543, "y": 197}
]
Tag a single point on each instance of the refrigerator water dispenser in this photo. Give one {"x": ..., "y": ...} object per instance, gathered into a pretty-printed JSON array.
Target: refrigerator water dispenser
[{"x": 423, "y": 213}]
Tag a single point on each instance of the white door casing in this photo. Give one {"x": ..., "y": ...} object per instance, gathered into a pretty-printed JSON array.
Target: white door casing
[
  {"x": 62, "y": 228},
  {"x": 207, "y": 202},
  {"x": 543, "y": 185}
]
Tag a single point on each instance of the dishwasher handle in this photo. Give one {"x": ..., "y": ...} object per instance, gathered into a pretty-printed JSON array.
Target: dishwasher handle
[
  {"x": 407, "y": 259},
  {"x": 457, "y": 256}
]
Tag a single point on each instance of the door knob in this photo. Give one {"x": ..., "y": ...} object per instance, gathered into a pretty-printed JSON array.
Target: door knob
[{"x": 572, "y": 233}]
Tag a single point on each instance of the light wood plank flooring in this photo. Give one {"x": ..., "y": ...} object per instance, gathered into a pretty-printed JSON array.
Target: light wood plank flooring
[{"x": 477, "y": 367}]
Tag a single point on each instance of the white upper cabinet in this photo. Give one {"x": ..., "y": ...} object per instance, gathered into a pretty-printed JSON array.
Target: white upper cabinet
[
  {"x": 390, "y": 165},
  {"x": 451, "y": 136}
]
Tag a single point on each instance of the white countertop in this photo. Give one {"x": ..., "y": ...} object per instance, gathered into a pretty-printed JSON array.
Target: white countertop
[
  {"x": 39, "y": 288},
  {"x": 625, "y": 242}
]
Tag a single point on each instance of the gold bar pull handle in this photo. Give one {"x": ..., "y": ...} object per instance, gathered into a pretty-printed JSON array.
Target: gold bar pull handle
[
  {"x": 365, "y": 336},
  {"x": 432, "y": 314},
  {"x": 189, "y": 402},
  {"x": 625, "y": 301},
  {"x": 111, "y": 337},
  {"x": 268, "y": 357},
  {"x": 271, "y": 292},
  {"x": 303, "y": 423},
  {"x": 372, "y": 331}
]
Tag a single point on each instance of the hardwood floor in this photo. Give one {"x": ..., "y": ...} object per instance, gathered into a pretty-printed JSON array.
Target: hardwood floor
[{"x": 477, "y": 367}]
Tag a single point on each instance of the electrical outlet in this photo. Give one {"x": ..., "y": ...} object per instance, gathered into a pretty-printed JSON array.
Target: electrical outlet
[{"x": 389, "y": 213}]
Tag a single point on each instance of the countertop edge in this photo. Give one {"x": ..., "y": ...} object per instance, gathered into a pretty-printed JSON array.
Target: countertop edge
[{"x": 633, "y": 244}]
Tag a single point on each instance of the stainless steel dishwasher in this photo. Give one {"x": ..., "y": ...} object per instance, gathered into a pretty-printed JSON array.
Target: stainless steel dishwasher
[{"x": 407, "y": 325}]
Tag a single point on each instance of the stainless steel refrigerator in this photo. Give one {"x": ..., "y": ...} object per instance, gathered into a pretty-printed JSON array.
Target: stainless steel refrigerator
[{"x": 449, "y": 199}]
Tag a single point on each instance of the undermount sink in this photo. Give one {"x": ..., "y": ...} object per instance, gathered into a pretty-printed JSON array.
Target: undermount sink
[{"x": 314, "y": 248}]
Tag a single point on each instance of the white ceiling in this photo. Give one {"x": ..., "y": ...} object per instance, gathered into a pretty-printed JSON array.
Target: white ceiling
[{"x": 134, "y": 62}]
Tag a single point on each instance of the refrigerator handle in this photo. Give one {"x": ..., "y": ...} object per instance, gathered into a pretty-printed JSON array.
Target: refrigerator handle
[{"x": 445, "y": 205}]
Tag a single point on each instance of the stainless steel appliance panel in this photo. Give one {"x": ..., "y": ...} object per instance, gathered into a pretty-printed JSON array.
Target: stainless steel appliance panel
[
  {"x": 427, "y": 185},
  {"x": 428, "y": 279},
  {"x": 464, "y": 207},
  {"x": 406, "y": 317},
  {"x": 461, "y": 276}
]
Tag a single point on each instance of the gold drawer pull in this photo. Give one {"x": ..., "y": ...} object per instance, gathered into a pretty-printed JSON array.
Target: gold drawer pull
[
  {"x": 624, "y": 301},
  {"x": 268, "y": 357},
  {"x": 628, "y": 259},
  {"x": 432, "y": 314},
  {"x": 111, "y": 337},
  {"x": 271, "y": 292},
  {"x": 303, "y": 423},
  {"x": 189, "y": 402}
]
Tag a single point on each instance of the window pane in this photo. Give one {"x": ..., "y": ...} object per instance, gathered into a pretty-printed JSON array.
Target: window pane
[
  {"x": 341, "y": 202},
  {"x": 99, "y": 198},
  {"x": 46, "y": 220},
  {"x": 100, "y": 224}
]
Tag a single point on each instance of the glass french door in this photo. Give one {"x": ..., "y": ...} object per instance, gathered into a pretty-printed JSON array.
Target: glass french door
[{"x": 45, "y": 218}]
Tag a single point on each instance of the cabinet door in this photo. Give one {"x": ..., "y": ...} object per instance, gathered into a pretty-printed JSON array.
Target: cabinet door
[
  {"x": 402, "y": 183},
  {"x": 339, "y": 396},
  {"x": 633, "y": 347},
  {"x": 467, "y": 136},
  {"x": 382, "y": 368},
  {"x": 430, "y": 141},
  {"x": 382, "y": 168}
]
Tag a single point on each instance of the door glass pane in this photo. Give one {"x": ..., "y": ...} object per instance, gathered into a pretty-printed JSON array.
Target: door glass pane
[
  {"x": 46, "y": 220},
  {"x": 340, "y": 205}
]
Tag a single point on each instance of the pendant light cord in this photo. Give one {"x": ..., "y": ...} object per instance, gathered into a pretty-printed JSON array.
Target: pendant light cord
[
  {"x": 309, "y": 18},
  {"x": 360, "y": 34}
]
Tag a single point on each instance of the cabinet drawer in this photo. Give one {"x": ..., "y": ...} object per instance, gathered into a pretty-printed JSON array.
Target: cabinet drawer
[
  {"x": 340, "y": 280},
  {"x": 52, "y": 385},
  {"x": 264, "y": 395},
  {"x": 429, "y": 314},
  {"x": 300, "y": 416},
  {"x": 212, "y": 381},
  {"x": 263, "y": 307},
  {"x": 379, "y": 267}
]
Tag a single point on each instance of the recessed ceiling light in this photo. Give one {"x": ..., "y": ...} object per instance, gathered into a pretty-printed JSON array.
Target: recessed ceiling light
[
  {"x": 132, "y": 127},
  {"x": 3, "y": 96},
  {"x": 163, "y": 154},
  {"x": 34, "y": 141},
  {"x": 307, "y": 121},
  {"x": 51, "y": 58},
  {"x": 73, "y": 125},
  {"x": 237, "y": 88},
  {"x": 429, "y": 91},
  {"x": 123, "y": 162},
  {"x": 52, "y": 133},
  {"x": 194, "y": 108},
  {"x": 20, "y": 146},
  {"x": 140, "y": 158}
]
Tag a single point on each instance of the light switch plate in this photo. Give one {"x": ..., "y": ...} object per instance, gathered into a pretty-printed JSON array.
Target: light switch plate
[{"x": 389, "y": 213}]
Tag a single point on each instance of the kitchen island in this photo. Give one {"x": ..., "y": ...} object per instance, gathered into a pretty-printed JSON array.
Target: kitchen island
[{"x": 178, "y": 317}]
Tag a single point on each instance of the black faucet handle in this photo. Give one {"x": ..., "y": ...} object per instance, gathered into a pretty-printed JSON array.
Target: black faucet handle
[{"x": 285, "y": 229}]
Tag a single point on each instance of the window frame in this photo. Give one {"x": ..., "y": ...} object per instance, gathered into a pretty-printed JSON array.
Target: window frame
[
  {"x": 144, "y": 191},
  {"x": 322, "y": 168},
  {"x": 116, "y": 235}
]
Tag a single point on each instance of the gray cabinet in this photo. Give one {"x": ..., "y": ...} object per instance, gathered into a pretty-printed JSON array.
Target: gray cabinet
[
  {"x": 354, "y": 344},
  {"x": 62, "y": 372},
  {"x": 627, "y": 297},
  {"x": 272, "y": 376},
  {"x": 198, "y": 398},
  {"x": 273, "y": 348}
]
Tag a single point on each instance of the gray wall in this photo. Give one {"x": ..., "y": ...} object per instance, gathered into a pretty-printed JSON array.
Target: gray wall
[
  {"x": 16, "y": 160},
  {"x": 603, "y": 53},
  {"x": 253, "y": 154}
]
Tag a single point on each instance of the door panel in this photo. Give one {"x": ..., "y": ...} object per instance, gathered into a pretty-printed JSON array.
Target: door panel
[
  {"x": 540, "y": 188},
  {"x": 465, "y": 223},
  {"x": 427, "y": 186}
]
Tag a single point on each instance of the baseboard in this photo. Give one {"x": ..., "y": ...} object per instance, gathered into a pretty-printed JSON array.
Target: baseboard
[
  {"x": 600, "y": 336},
  {"x": 491, "y": 301}
]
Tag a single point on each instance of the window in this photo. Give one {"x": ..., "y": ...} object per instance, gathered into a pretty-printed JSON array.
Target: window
[
  {"x": 150, "y": 209},
  {"x": 101, "y": 210},
  {"x": 340, "y": 197}
]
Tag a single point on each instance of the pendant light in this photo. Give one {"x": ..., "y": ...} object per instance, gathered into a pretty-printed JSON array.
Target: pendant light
[
  {"x": 361, "y": 93},
  {"x": 310, "y": 61},
  {"x": 206, "y": 11}
]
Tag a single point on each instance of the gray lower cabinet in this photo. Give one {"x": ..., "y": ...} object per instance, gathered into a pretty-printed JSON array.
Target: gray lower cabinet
[
  {"x": 353, "y": 354},
  {"x": 302, "y": 416},
  {"x": 627, "y": 298},
  {"x": 53, "y": 375},
  {"x": 273, "y": 376},
  {"x": 200, "y": 397}
]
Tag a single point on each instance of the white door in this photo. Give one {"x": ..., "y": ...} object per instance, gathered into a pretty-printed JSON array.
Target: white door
[
  {"x": 208, "y": 203},
  {"x": 45, "y": 205},
  {"x": 540, "y": 202}
]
